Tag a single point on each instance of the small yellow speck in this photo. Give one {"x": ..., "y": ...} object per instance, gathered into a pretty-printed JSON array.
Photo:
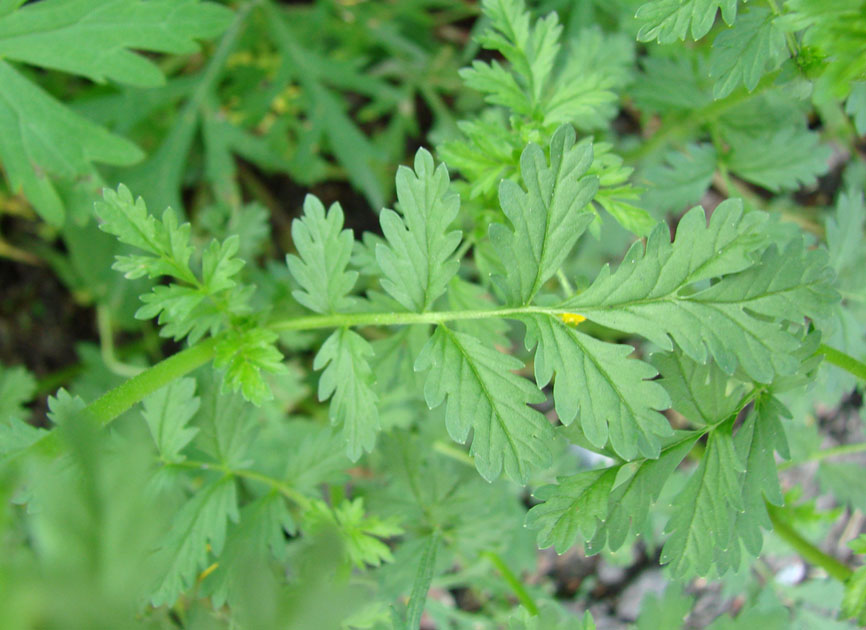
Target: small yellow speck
[{"x": 572, "y": 318}]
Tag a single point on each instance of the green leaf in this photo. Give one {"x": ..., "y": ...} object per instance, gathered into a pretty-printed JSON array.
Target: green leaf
[
  {"x": 17, "y": 387},
  {"x": 227, "y": 427},
  {"x": 669, "y": 20},
  {"x": 701, "y": 527},
  {"x": 760, "y": 435},
  {"x": 785, "y": 159},
  {"x": 359, "y": 533},
  {"x": 324, "y": 249},
  {"x": 775, "y": 618},
  {"x": 531, "y": 50},
  {"x": 736, "y": 321},
  {"x": 16, "y": 436},
  {"x": 834, "y": 38},
  {"x": 744, "y": 54},
  {"x": 42, "y": 141},
  {"x": 167, "y": 412},
  {"x": 571, "y": 509},
  {"x": 64, "y": 407},
  {"x": 682, "y": 180},
  {"x": 854, "y": 600},
  {"x": 246, "y": 355},
  {"x": 259, "y": 533},
  {"x": 348, "y": 378},
  {"x": 604, "y": 505},
  {"x": 415, "y": 262},
  {"x": 486, "y": 396},
  {"x": 421, "y": 584},
  {"x": 199, "y": 523},
  {"x": 844, "y": 481},
  {"x": 96, "y": 38},
  {"x": 219, "y": 265},
  {"x": 598, "y": 381},
  {"x": 667, "y": 611},
  {"x": 701, "y": 392},
  {"x": 548, "y": 217},
  {"x": 855, "y": 106}
]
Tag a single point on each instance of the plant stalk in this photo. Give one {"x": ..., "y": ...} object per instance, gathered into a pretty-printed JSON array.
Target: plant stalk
[
  {"x": 844, "y": 361},
  {"x": 809, "y": 552}
]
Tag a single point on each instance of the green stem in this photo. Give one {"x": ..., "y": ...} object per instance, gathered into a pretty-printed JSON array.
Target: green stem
[
  {"x": 106, "y": 345},
  {"x": 844, "y": 361},
  {"x": 516, "y": 585},
  {"x": 817, "y": 456},
  {"x": 339, "y": 320},
  {"x": 280, "y": 486},
  {"x": 118, "y": 400},
  {"x": 809, "y": 552}
]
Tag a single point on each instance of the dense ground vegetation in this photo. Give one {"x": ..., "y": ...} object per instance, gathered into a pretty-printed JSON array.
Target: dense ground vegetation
[{"x": 355, "y": 314}]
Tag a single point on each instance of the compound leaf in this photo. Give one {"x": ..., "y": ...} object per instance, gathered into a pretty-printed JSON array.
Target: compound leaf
[
  {"x": 246, "y": 355},
  {"x": 259, "y": 533},
  {"x": 484, "y": 395},
  {"x": 531, "y": 50},
  {"x": 415, "y": 262}
]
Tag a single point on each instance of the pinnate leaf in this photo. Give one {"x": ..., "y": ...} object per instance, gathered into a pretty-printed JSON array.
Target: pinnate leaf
[
  {"x": 415, "y": 262},
  {"x": 348, "y": 378},
  {"x": 548, "y": 217},
  {"x": 199, "y": 523},
  {"x": 597, "y": 383},
  {"x": 702, "y": 525},
  {"x": 669, "y": 20},
  {"x": 167, "y": 412},
  {"x": 736, "y": 321},
  {"x": 484, "y": 395},
  {"x": 324, "y": 249},
  {"x": 742, "y": 55},
  {"x": 784, "y": 159}
]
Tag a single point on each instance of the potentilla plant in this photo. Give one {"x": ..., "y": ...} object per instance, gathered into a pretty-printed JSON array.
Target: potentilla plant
[{"x": 343, "y": 434}]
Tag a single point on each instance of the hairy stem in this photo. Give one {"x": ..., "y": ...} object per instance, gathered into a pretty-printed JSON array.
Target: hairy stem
[
  {"x": 809, "y": 552},
  {"x": 313, "y": 322},
  {"x": 115, "y": 401},
  {"x": 844, "y": 361}
]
